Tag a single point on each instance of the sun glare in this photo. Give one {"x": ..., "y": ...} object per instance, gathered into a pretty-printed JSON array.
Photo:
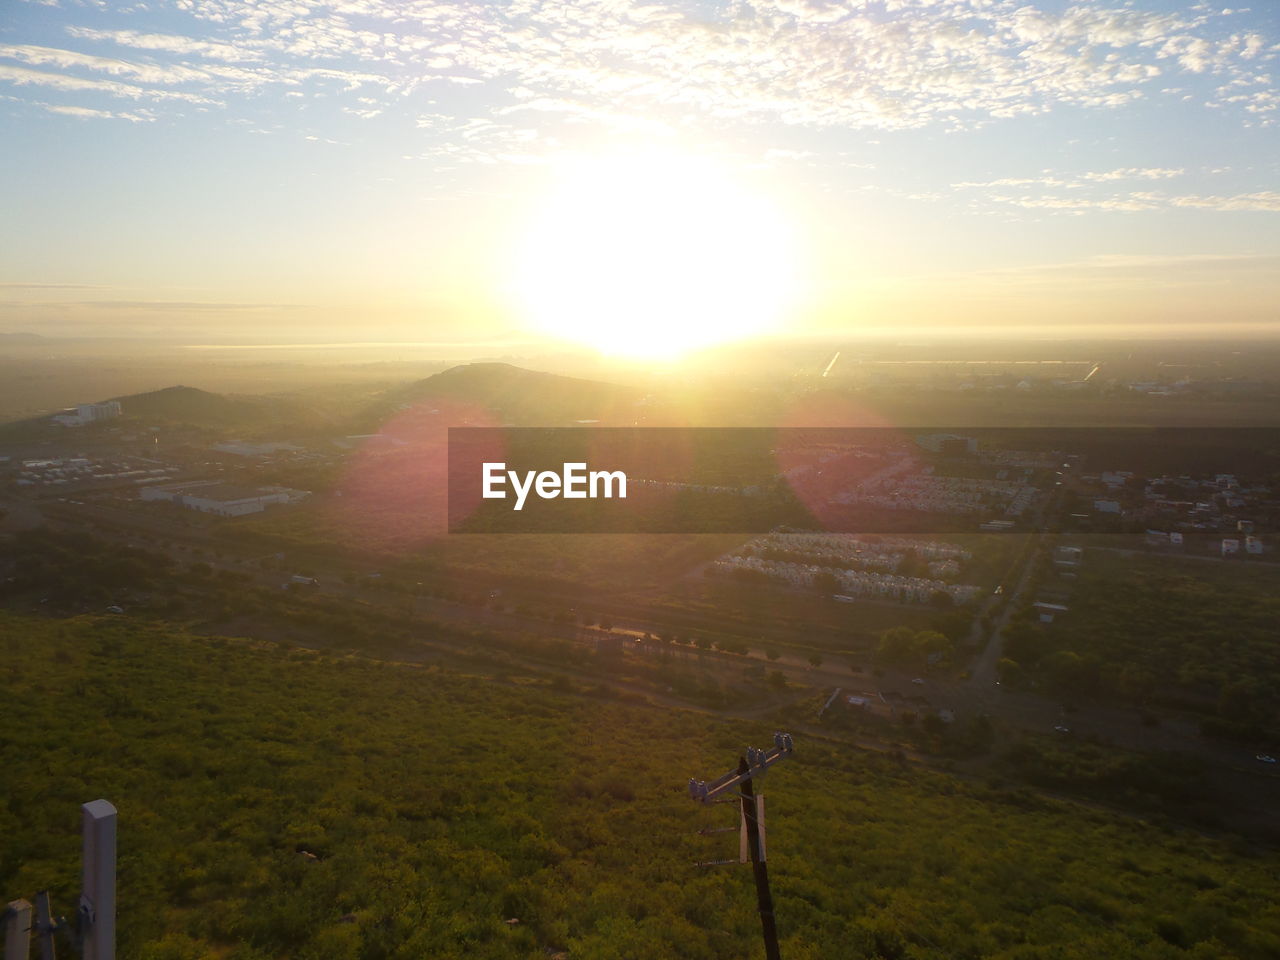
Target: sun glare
[{"x": 652, "y": 256}]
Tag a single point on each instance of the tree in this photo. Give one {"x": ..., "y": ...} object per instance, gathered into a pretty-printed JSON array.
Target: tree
[
  {"x": 1009, "y": 671},
  {"x": 1065, "y": 671},
  {"x": 1135, "y": 682},
  {"x": 815, "y": 660},
  {"x": 772, "y": 653},
  {"x": 931, "y": 643},
  {"x": 904, "y": 647},
  {"x": 895, "y": 646}
]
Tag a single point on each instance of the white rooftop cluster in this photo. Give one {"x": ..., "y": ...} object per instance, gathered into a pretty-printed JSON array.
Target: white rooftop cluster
[
  {"x": 848, "y": 550},
  {"x": 77, "y": 469},
  {"x": 957, "y": 495},
  {"x": 853, "y": 583}
]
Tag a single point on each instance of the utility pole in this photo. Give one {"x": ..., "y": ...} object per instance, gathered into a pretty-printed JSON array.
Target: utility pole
[
  {"x": 751, "y": 809},
  {"x": 740, "y": 783},
  {"x": 46, "y": 926},
  {"x": 97, "y": 913},
  {"x": 17, "y": 930}
]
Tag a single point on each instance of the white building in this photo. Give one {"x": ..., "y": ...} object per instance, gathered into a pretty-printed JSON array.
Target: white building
[
  {"x": 222, "y": 499},
  {"x": 1048, "y": 611},
  {"x": 88, "y": 413},
  {"x": 1068, "y": 556}
]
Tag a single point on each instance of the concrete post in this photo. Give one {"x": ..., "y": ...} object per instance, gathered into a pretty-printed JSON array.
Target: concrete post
[
  {"x": 17, "y": 930},
  {"x": 98, "y": 885}
]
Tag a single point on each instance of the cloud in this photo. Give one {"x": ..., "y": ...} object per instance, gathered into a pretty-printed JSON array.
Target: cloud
[
  {"x": 22, "y": 76},
  {"x": 69, "y": 59},
  {"x": 1082, "y": 193},
  {"x": 1073, "y": 181},
  {"x": 1268, "y": 200},
  {"x": 901, "y": 63},
  {"x": 1261, "y": 201},
  {"x": 168, "y": 43},
  {"x": 89, "y": 112},
  {"x": 651, "y": 66},
  {"x": 1134, "y": 173}
]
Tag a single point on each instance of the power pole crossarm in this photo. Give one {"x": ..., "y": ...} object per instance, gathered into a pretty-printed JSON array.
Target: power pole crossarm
[{"x": 758, "y": 761}]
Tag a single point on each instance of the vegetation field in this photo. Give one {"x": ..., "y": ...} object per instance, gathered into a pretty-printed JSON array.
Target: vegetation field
[
  {"x": 283, "y": 803},
  {"x": 613, "y": 562},
  {"x": 1195, "y": 633}
]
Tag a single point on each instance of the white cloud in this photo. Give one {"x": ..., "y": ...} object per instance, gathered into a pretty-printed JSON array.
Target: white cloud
[
  {"x": 1076, "y": 181},
  {"x": 889, "y": 64},
  {"x": 97, "y": 114},
  {"x": 69, "y": 59},
  {"x": 168, "y": 43},
  {"x": 1134, "y": 173},
  {"x": 22, "y": 76},
  {"x": 1261, "y": 201}
]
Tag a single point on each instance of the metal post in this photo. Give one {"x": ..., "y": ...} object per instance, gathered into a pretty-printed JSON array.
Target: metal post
[
  {"x": 97, "y": 914},
  {"x": 758, "y": 866},
  {"x": 17, "y": 930},
  {"x": 46, "y": 926}
]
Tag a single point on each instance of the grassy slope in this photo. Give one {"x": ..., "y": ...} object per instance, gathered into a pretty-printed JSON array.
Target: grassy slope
[{"x": 441, "y": 805}]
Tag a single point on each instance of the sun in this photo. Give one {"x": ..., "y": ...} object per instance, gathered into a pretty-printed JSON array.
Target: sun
[{"x": 653, "y": 255}]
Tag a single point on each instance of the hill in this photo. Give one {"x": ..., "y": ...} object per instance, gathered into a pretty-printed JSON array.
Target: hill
[
  {"x": 198, "y": 407},
  {"x": 190, "y": 406},
  {"x": 285, "y": 803},
  {"x": 511, "y": 394}
]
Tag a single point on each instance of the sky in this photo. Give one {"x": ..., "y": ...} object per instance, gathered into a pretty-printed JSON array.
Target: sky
[{"x": 221, "y": 169}]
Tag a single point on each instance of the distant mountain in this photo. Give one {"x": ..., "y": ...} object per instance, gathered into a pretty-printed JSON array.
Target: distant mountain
[
  {"x": 21, "y": 338},
  {"x": 528, "y": 397},
  {"x": 495, "y": 392}
]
